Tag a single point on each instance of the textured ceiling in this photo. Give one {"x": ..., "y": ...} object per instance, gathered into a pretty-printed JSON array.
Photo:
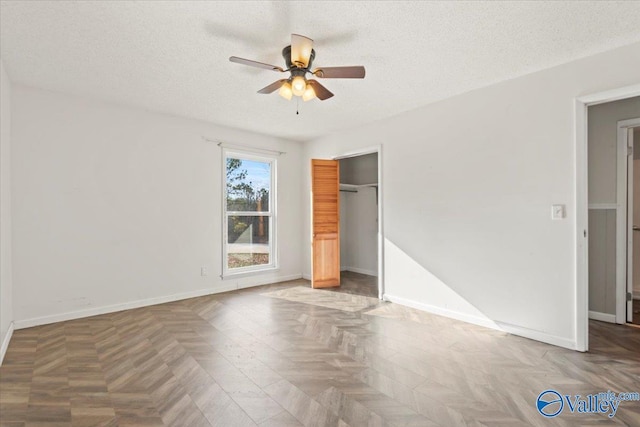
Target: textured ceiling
[{"x": 173, "y": 56}]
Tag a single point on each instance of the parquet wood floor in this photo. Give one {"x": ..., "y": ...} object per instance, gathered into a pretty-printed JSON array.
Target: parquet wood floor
[
  {"x": 358, "y": 284},
  {"x": 324, "y": 298},
  {"x": 245, "y": 359}
]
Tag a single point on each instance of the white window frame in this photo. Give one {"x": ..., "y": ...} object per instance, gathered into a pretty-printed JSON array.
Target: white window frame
[{"x": 271, "y": 214}]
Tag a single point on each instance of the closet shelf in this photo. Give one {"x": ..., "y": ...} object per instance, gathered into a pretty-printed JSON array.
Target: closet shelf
[{"x": 356, "y": 186}]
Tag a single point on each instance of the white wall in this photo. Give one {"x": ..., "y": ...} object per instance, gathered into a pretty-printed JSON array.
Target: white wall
[
  {"x": 361, "y": 234},
  {"x": 6, "y": 283},
  {"x": 114, "y": 205},
  {"x": 468, "y": 185}
]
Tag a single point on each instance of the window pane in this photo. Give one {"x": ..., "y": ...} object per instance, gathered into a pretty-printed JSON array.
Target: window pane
[
  {"x": 248, "y": 185},
  {"x": 248, "y": 241}
]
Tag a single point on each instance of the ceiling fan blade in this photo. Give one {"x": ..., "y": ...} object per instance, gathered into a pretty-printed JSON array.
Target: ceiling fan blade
[
  {"x": 322, "y": 92},
  {"x": 301, "y": 48},
  {"x": 255, "y": 64},
  {"x": 273, "y": 86},
  {"x": 355, "y": 72}
]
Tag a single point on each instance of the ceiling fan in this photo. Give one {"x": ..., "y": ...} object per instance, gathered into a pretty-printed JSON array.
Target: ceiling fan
[{"x": 299, "y": 56}]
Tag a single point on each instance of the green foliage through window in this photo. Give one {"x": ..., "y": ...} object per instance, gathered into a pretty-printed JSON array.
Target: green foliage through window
[
  {"x": 249, "y": 217},
  {"x": 243, "y": 194}
]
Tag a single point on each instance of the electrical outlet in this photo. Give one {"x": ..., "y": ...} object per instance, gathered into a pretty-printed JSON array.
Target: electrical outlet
[
  {"x": 204, "y": 271},
  {"x": 558, "y": 212}
]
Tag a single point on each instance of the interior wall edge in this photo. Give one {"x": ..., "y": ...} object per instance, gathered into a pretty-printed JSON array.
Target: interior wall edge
[
  {"x": 5, "y": 341},
  {"x": 7, "y": 295}
]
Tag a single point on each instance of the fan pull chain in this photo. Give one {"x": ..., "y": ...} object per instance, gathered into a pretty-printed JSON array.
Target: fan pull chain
[{"x": 297, "y": 105}]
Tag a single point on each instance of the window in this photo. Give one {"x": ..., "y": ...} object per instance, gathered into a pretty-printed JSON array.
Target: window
[{"x": 249, "y": 213}]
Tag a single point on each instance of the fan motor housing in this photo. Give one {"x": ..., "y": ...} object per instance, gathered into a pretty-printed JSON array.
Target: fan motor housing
[{"x": 286, "y": 54}]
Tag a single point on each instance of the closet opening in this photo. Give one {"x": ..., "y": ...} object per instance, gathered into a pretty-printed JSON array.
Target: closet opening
[{"x": 359, "y": 224}]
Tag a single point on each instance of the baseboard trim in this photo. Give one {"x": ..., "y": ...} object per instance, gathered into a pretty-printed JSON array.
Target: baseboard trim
[
  {"x": 441, "y": 311},
  {"x": 79, "y": 314},
  {"x": 603, "y": 317},
  {"x": 361, "y": 271},
  {"x": 487, "y": 323},
  {"x": 534, "y": 334},
  {"x": 5, "y": 341},
  {"x": 306, "y": 276}
]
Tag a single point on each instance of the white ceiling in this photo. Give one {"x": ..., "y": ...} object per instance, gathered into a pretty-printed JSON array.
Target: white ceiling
[{"x": 173, "y": 56}]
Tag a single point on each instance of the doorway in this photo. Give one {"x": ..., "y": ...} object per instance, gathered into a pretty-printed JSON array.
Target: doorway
[
  {"x": 633, "y": 226},
  {"x": 359, "y": 224},
  {"x": 628, "y": 258},
  {"x": 356, "y": 207},
  {"x": 610, "y": 129}
]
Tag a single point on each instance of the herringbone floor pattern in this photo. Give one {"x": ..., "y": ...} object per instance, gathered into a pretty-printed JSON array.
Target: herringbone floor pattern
[{"x": 244, "y": 359}]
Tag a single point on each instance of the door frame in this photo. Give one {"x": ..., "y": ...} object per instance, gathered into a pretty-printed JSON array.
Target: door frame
[
  {"x": 362, "y": 152},
  {"x": 624, "y": 221},
  {"x": 581, "y": 104}
]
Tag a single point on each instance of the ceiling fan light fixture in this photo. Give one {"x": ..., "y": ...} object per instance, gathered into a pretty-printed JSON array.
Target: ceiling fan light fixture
[
  {"x": 298, "y": 85},
  {"x": 308, "y": 94},
  {"x": 301, "y": 48},
  {"x": 299, "y": 57},
  {"x": 285, "y": 91}
]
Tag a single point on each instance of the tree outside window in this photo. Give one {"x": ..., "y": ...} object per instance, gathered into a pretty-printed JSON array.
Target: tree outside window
[{"x": 248, "y": 213}]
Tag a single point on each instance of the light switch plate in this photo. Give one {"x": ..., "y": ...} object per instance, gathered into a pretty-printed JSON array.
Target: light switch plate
[{"x": 558, "y": 212}]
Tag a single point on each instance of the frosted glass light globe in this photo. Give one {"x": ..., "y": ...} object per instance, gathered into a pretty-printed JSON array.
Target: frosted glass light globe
[{"x": 298, "y": 85}]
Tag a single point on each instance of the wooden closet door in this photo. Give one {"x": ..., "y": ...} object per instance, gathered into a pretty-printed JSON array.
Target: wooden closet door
[{"x": 325, "y": 196}]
